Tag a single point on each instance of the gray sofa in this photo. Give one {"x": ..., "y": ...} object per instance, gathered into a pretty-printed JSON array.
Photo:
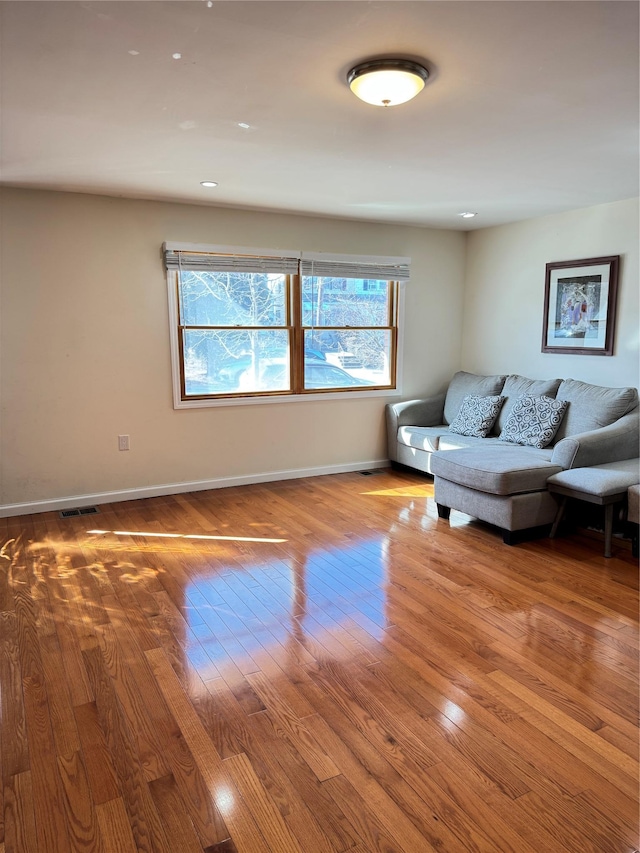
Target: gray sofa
[{"x": 501, "y": 482}]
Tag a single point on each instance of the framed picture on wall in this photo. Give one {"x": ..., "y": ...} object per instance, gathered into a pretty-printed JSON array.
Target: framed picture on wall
[{"x": 580, "y": 306}]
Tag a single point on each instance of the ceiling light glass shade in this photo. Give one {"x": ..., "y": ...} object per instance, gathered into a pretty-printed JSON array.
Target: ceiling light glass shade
[{"x": 387, "y": 82}]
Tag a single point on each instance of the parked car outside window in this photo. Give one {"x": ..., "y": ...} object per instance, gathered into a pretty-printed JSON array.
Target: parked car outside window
[{"x": 317, "y": 374}]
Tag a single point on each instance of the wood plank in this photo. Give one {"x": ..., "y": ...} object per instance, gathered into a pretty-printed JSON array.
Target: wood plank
[
  {"x": 81, "y": 819},
  {"x": 101, "y": 774},
  {"x": 223, "y": 718},
  {"x": 267, "y": 817},
  {"x": 2, "y": 814},
  {"x": 6, "y": 574},
  {"x": 200, "y": 807},
  {"x": 171, "y": 808},
  {"x": 20, "y": 822},
  {"x": 115, "y": 828},
  {"x": 13, "y": 725},
  {"x": 63, "y": 722}
]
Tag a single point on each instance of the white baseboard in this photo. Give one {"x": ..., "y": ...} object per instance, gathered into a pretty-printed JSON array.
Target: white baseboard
[{"x": 73, "y": 501}]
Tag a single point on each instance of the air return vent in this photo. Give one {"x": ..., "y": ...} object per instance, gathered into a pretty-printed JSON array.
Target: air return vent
[{"x": 83, "y": 510}]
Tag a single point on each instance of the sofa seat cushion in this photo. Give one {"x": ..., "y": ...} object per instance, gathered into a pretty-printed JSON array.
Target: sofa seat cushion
[
  {"x": 454, "y": 441},
  {"x": 463, "y": 384},
  {"x": 592, "y": 406},
  {"x": 440, "y": 438},
  {"x": 497, "y": 470},
  {"x": 422, "y": 438}
]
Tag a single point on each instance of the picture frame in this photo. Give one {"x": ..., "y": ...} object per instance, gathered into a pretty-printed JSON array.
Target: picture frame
[{"x": 580, "y": 300}]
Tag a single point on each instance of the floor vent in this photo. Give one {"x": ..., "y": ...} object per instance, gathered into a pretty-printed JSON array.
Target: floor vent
[
  {"x": 85, "y": 510},
  {"x": 370, "y": 473}
]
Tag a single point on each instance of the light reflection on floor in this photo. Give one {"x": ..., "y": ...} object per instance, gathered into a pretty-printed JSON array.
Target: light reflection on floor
[
  {"x": 200, "y": 536},
  {"x": 419, "y": 491},
  {"x": 239, "y": 612},
  {"x": 235, "y": 598}
]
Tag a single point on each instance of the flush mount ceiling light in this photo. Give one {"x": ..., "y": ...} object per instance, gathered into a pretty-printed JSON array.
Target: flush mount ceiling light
[
  {"x": 467, "y": 214},
  {"x": 208, "y": 183},
  {"x": 387, "y": 82}
]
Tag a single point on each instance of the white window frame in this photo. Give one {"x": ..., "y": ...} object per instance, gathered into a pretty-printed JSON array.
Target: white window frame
[{"x": 247, "y": 399}]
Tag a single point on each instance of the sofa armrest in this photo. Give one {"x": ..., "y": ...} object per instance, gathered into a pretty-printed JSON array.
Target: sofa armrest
[
  {"x": 427, "y": 412},
  {"x": 612, "y": 443}
]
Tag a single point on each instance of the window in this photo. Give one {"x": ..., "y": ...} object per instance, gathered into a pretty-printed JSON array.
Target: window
[{"x": 257, "y": 323}]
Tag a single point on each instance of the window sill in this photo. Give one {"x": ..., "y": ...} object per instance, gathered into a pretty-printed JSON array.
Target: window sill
[{"x": 284, "y": 398}]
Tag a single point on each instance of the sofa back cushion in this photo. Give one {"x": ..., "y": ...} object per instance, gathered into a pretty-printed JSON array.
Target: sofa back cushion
[
  {"x": 592, "y": 406},
  {"x": 515, "y": 386},
  {"x": 464, "y": 384}
]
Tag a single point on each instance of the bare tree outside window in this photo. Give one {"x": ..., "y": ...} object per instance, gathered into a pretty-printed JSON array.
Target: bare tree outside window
[{"x": 234, "y": 322}]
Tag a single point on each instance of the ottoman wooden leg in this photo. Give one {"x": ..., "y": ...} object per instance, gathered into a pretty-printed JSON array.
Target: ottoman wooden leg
[{"x": 558, "y": 518}]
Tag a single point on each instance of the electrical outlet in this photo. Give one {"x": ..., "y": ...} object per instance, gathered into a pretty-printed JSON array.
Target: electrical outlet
[{"x": 123, "y": 442}]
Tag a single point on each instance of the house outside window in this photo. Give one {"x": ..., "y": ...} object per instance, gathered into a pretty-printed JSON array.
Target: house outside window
[{"x": 257, "y": 324}]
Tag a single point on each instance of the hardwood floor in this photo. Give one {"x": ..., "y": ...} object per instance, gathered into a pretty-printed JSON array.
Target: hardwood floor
[{"x": 317, "y": 665}]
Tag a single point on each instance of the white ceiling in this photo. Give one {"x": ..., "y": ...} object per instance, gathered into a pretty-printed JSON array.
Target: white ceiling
[{"x": 531, "y": 107}]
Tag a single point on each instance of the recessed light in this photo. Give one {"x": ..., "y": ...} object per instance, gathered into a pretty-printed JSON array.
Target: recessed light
[
  {"x": 208, "y": 183},
  {"x": 176, "y": 56},
  {"x": 133, "y": 52},
  {"x": 244, "y": 125},
  {"x": 467, "y": 214}
]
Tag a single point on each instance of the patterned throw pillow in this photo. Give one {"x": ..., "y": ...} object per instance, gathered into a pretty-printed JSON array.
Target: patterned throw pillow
[
  {"x": 476, "y": 415},
  {"x": 534, "y": 420}
]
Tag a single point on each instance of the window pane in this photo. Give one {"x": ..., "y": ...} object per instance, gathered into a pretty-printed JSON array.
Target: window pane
[
  {"x": 346, "y": 359},
  {"x": 344, "y": 302},
  {"x": 232, "y": 299},
  {"x": 223, "y": 361}
]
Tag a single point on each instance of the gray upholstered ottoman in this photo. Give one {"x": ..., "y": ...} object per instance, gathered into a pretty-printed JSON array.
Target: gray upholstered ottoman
[
  {"x": 504, "y": 485},
  {"x": 604, "y": 485}
]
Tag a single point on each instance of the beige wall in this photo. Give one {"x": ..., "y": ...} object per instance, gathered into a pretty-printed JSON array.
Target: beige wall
[
  {"x": 84, "y": 347},
  {"x": 503, "y": 306}
]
